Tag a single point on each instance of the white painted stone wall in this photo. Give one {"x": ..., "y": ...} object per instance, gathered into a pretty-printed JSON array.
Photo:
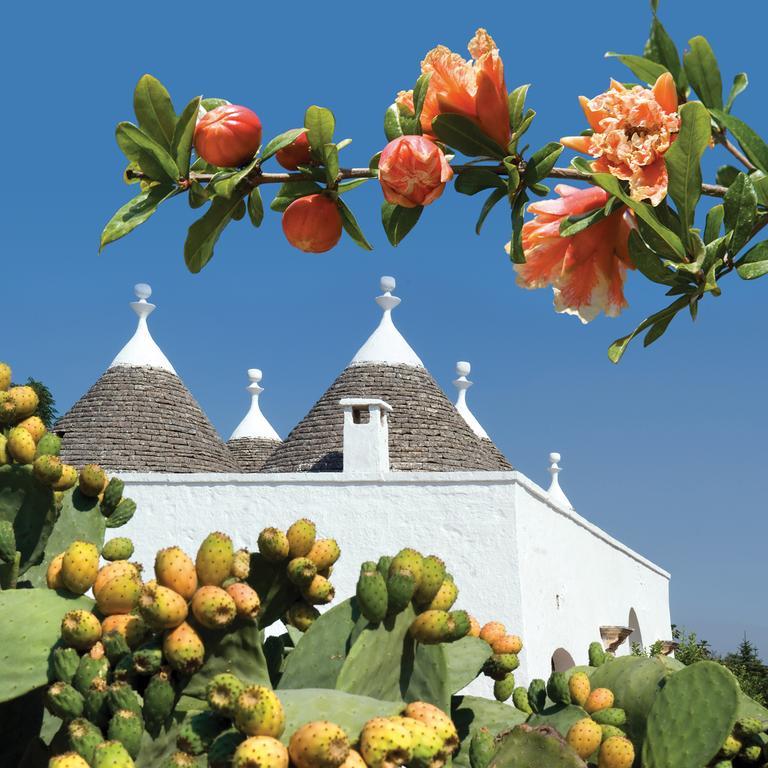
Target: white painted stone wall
[{"x": 546, "y": 572}]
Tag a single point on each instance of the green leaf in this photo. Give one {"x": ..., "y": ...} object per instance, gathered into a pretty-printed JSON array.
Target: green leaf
[
  {"x": 541, "y": 162},
  {"x": 740, "y": 204},
  {"x": 516, "y": 101},
  {"x": 399, "y": 122},
  {"x": 239, "y": 211},
  {"x": 198, "y": 195},
  {"x": 754, "y": 147},
  {"x": 572, "y": 225},
  {"x": 617, "y": 349},
  {"x": 281, "y": 141},
  {"x": 134, "y": 212},
  {"x": 760, "y": 183},
  {"x": 398, "y": 221},
  {"x": 320, "y": 124},
  {"x": 490, "y": 201},
  {"x": 226, "y": 183},
  {"x": 516, "y": 253},
  {"x": 255, "y": 207},
  {"x": 140, "y": 148},
  {"x": 740, "y": 83},
  {"x": 662, "y": 49},
  {"x": 684, "y": 160},
  {"x": 703, "y": 72},
  {"x": 419, "y": 95},
  {"x": 181, "y": 144},
  {"x": 754, "y": 263},
  {"x": 203, "y": 234},
  {"x": 648, "y": 262},
  {"x": 646, "y": 69},
  {"x": 611, "y": 184},
  {"x": 331, "y": 160},
  {"x": 656, "y": 331},
  {"x": 211, "y": 102},
  {"x": 474, "y": 180},
  {"x": 714, "y": 223},
  {"x": 351, "y": 227},
  {"x": 154, "y": 110},
  {"x": 292, "y": 191},
  {"x": 462, "y": 134},
  {"x": 726, "y": 175},
  {"x": 347, "y": 185}
]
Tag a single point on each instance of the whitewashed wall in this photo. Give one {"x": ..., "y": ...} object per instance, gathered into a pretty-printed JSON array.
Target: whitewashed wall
[{"x": 510, "y": 549}]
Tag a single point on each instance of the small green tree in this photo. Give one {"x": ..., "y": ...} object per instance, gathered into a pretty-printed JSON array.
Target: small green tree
[{"x": 750, "y": 671}]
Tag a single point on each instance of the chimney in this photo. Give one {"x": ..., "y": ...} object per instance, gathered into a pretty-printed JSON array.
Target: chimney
[{"x": 366, "y": 435}]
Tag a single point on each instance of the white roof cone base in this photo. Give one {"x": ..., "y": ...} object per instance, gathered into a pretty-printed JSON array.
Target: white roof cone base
[
  {"x": 555, "y": 491},
  {"x": 141, "y": 350},
  {"x": 255, "y": 424},
  {"x": 386, "y": 344},
  {"x": 462, "y": 383}
]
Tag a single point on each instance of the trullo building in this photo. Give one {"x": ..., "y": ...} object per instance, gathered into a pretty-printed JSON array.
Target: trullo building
[{"x": 384, "y": 459}]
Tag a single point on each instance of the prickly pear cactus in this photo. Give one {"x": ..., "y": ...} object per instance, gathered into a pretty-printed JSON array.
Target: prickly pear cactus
[
  {"x": 524, "y": 747},
  {"x": 691, "y": 717}
]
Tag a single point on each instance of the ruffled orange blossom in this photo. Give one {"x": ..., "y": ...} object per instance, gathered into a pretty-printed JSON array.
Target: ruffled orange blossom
[
  {"x": 586, "y": 270},
  {"x": 475, "y": 89},
  {"x": 633, "y": 129}
]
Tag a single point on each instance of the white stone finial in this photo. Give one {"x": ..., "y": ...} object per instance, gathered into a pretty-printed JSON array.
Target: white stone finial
[
  {"x": 462, "y": 383},
  {"x": 142, "y": 350},
  {"x": 142, "y": 291},
  {"x": 555, "y": 491},
  {"x": 255, "y": 423},
  {"x": 386, "y": 344}
]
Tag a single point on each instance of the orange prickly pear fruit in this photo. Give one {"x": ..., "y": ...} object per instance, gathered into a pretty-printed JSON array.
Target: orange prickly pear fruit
[
  {"x": 5, "y": 376},
  {"x": 241, "y": 564},
  {"x": 507, "y": 644},
  {"x": 53, "y": 574},
  {"x": 445, "y": 597},
  {"x": 174, "y": 569},
  {"x": 132, "y": 627},
  {"x": 599, "y": 698},
  {"x": 616, "y": 752},
  {"x": 80, "y": 629},
  {"x": 67, "y": 480},
  {"x": 21, "y": 445},
  {"x": 68, "y": 760},
  {"x": 319, "y": 744},
  {"x": 183, "y": 649},
  {"x": 162, "y": 608},
  {"x": 385, "y": 742},
  {"x": 246, "y": 600},
  {"x": 434, "y": 717},
  {"x": 34, "y": 425},
  {"x": 474, "y": 627},
  {"x": 213, "y": 607},
  {"x": 273, "y": 545},
  {"x": 584, "y": 737},
  {"x": 25, "y": 399},
  {"x": 319, "y": 591},
  {"x": 259, "y": 712},
  {"x": 579, "y": 687},
  {"x": 80, "y": 566},
  {"x": 261, "y": 751},
  {"x": 214, "y": 559},
  {"x": 301, "y": 538},
  {"x": 93, "y": 479},
  {"x": 111, "y": 570},
  {"x": 324, "y": 553},
  {"x": 119, "y": 595},
  {"x": 491, "y": 631}
]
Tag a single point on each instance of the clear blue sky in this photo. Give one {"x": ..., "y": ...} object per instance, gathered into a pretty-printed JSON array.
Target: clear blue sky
[{"x": 666, "y": 451}]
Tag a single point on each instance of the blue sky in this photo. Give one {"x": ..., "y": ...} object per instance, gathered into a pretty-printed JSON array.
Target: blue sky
[{"x": 665, "y": 451}]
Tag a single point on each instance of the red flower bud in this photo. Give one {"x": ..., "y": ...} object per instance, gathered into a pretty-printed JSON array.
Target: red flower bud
[
  {"x": 295, "y": 154},
  {"x": 228, "y": 136},
  {"x": 312, "y": 224},
  {"x": 413, "y": 171}
]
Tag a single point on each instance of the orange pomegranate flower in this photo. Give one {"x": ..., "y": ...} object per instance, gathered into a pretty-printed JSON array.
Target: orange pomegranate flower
[
  {"x": 586, "y": 270},
  {"x": 633, "y": 128},
  {"x": 475, "y": 89}
]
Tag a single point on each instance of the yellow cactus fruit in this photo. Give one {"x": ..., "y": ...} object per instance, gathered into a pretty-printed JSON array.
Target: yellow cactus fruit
[
  {"x": 600, "y": 698},
  {"x": 584, "y": 737}
]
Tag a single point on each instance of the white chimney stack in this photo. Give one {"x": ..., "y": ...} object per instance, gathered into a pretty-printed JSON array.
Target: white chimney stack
[{"x": 366, "y": 435}]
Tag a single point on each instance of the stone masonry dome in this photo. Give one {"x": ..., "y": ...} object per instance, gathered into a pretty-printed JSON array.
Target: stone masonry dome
[
  {"x": 139, "y": 416},
  {"x": 426, "y": 431}
]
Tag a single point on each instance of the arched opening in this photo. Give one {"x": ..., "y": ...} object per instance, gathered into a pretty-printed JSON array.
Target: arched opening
[
  {"x": 562, "y": 660},
  {"x": 637, "y": 635}
]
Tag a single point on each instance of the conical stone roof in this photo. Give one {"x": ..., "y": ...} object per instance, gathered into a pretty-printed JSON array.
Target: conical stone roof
[
  {"x": 139, "y": 416},
  {"x": 426, "y": 432}
]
